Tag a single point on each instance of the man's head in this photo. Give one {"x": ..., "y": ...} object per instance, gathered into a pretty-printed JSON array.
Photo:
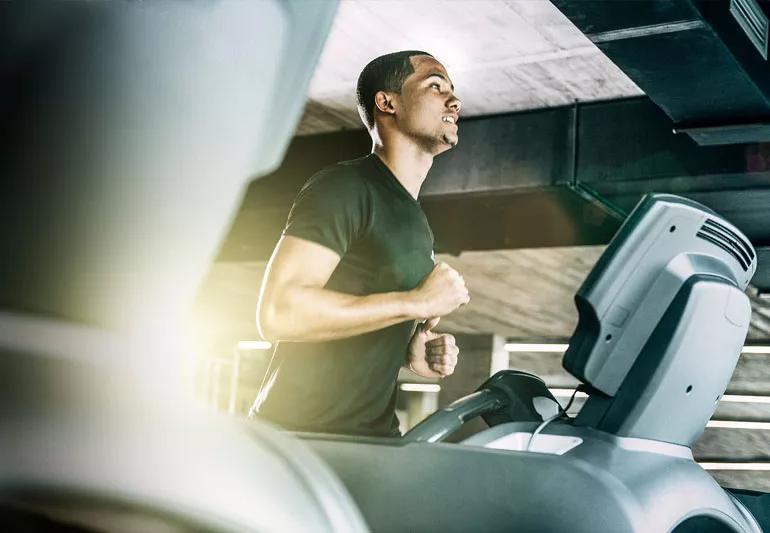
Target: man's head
[{"x": 410, "y": 92}]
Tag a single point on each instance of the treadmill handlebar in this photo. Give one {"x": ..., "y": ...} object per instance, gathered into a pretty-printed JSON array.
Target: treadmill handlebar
[
  {"x": 446, "y": 421},
  {"x": 508, "y": 396}
]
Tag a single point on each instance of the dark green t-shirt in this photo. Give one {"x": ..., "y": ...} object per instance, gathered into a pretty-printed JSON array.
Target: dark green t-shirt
[{"x": 361, "y": 211}]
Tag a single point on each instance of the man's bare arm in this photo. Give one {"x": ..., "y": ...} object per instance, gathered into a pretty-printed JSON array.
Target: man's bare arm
[{"x": 294, "y": 305}]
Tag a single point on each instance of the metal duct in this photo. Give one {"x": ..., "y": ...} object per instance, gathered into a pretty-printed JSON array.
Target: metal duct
[{"x": 704, "y": 62}]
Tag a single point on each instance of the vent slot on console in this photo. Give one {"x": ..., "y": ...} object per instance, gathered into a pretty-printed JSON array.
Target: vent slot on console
[{"x": 722, "y": 236}]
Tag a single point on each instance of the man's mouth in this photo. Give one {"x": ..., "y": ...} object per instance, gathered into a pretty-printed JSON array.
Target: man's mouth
[{"x": 449, "y": 118}]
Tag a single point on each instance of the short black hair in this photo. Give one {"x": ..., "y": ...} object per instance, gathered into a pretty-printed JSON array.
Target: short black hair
[{"x": 384, "y": 73}]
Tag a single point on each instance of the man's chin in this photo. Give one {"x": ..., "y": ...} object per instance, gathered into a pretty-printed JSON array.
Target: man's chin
[{"x": 448, "y": 141}]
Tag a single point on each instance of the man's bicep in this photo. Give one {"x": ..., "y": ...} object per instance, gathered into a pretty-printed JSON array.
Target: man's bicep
[
  {"x": 296, "y": 263},
  {"x": 300, "y": 262}
]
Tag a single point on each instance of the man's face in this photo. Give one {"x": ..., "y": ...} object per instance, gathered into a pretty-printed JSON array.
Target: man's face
[{"x": 427, "y": 108}]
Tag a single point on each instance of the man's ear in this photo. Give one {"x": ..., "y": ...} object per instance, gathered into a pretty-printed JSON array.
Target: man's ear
[{"x": 384, "y": 102}]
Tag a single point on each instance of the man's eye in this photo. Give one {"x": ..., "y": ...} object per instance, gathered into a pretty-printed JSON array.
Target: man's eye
[{"x": 436, "y": 85}]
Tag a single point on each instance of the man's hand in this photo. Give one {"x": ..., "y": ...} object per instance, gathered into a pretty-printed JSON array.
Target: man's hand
[
  {"x": 441, "y": 292},
  {"x": 432, "y": 355}
]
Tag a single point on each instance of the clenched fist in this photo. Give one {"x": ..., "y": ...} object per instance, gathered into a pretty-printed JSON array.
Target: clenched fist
[
  {"x": 441, "y": 292},
  {"x": 432, "y": 355}
]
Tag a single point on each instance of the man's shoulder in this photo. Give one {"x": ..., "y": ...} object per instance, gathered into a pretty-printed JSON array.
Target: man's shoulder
[
  {"x": 352, "y": 174},
  {"x": 359, "y": 167}
]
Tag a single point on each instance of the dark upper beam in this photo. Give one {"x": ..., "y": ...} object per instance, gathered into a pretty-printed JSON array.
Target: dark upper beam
[
  {"x": 694, "y": 58},
  {"x": 554, "y": 177}
]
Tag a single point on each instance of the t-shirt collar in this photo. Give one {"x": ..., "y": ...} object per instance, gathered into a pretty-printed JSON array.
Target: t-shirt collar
[{"x": 388, "y": 174}]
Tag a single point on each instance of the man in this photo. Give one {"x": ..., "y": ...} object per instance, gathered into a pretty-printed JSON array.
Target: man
[{"x": 354, "y": 268}]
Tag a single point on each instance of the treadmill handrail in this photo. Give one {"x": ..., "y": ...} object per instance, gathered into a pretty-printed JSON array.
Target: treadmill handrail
[{"x": 446, "y": 421}]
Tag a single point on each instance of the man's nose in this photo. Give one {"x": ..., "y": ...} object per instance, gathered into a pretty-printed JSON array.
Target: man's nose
[{"x": 455, "y": 104}]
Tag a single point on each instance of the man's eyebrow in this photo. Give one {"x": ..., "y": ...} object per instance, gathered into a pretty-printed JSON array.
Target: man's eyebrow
[{"x": 439, "y": 75}]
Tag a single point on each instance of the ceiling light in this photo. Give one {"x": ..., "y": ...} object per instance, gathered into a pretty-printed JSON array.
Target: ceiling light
[
  {"x": 735, "y": 466},
  {"x": 524, "y": 347},
  {"x": 735, "y": 424},
  {"x": 420, "y": 387},
  {"x": 744, "y": 398},
  {"x": 517, "y": 347},
  {"x": 756, "y": 349},
  {"x": 254, "y": 345},
  {"x": 728, "y": 398}
]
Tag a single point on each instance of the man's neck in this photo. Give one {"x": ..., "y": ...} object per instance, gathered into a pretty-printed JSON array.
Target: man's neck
[{"x": 408, "y": 162}]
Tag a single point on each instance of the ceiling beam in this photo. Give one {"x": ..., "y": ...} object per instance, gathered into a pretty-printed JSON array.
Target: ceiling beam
[{"x": 555, "y": 177}]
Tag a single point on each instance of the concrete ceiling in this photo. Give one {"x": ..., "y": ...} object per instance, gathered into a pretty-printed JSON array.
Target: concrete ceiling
[
  {"x": 502, "y": 56},
  {"x": 524, "y": 294},
  {"x": 528, "y": 293}
]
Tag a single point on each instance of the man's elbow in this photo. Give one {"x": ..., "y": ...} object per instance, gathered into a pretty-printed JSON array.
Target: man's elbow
[
  {"x": 275, "y": 317},
  {"x": 281, "y": 317},
  {"x": 267, "y": 323}
]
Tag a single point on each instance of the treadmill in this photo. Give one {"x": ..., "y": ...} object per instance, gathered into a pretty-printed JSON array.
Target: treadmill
[{"x": 662, "y": 320}]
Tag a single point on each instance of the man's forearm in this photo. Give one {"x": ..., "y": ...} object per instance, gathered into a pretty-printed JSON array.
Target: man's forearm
[{"x": 318, "y": 314}]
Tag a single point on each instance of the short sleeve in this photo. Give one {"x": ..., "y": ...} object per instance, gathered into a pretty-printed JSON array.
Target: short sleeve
[{"x": 333, "y": 209}]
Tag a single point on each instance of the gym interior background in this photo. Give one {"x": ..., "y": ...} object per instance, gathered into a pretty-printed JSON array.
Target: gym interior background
[{"x": 567, "y": 121}]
